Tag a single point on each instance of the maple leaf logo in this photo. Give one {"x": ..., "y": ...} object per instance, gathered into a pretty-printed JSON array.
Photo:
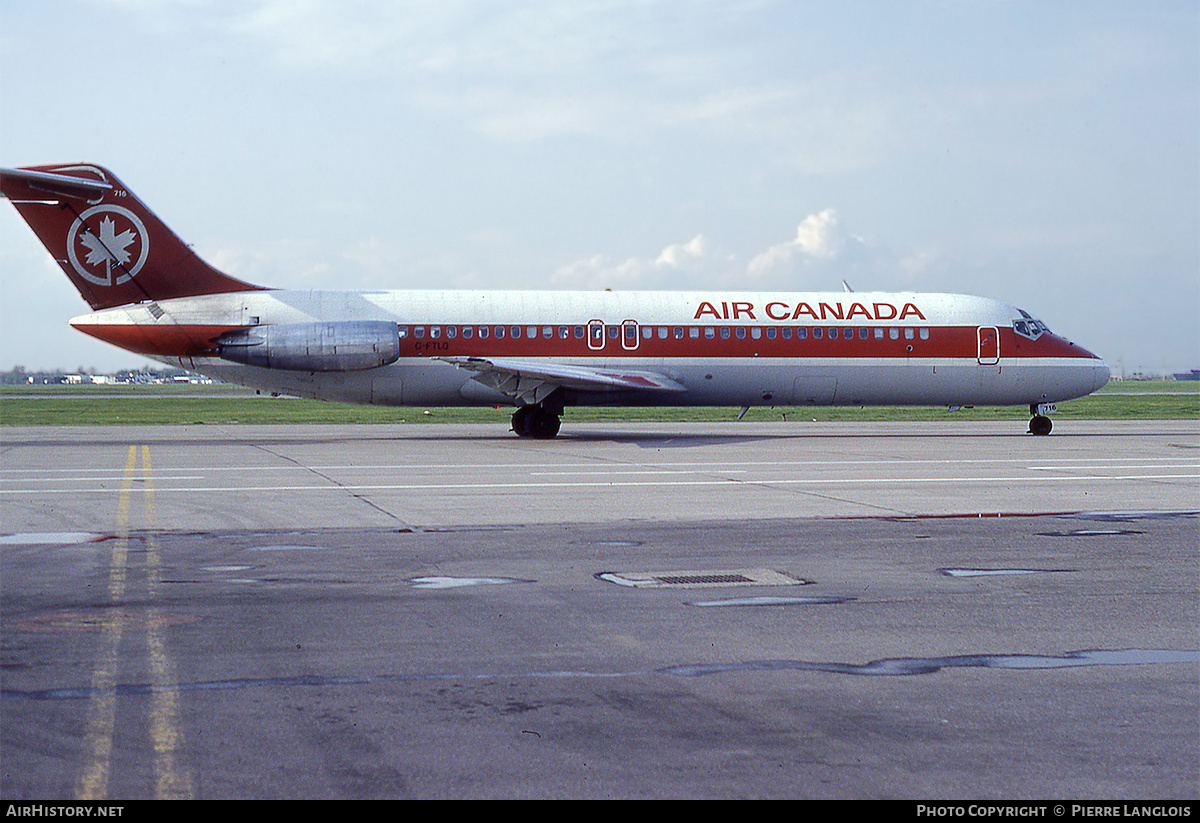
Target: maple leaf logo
[
  {"x": 116, "y": 249},
  {"x": 109, "y": 247}
]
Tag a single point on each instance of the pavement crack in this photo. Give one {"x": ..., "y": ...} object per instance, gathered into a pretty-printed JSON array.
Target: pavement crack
[{"x": 360, "y": 496}]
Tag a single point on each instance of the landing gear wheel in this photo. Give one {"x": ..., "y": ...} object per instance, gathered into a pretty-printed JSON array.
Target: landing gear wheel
[
  {"x": 1040, "y": 424},
  {"x": 536, "y": 422},
  {"x": 518, "y": 421},
  {"x": 542, "y": 425}
]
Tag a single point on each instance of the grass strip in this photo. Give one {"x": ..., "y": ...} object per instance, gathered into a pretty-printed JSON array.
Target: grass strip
[{"x": 198, "y": 405}]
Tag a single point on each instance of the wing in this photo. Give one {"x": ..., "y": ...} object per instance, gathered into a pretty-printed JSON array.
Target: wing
[{"x": 530, "y": 382}]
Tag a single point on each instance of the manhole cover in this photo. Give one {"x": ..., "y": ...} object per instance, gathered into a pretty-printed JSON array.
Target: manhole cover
[{"x": 699, "y": 578}]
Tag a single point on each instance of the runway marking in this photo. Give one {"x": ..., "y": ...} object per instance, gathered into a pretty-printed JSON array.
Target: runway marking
[
  {"x": 513, "y": 485},
  {"x": 989, "y": 572},
  {"x": 602, "y": 463},
  {"x": 49, "y": 538},
  {"x": 459, "y": 582},
  {"x": 102, "y": 707},
  {"x": 611, "y": 472},
  {"x": 775, "y": 601},
  {"x": 171, "y": 782},
  {"x": 94, "y": 479}
]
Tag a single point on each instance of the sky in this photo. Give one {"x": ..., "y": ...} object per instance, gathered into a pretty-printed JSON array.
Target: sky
[{"x": 1044, "y": 154}]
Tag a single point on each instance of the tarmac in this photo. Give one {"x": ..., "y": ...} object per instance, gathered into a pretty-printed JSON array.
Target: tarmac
[{"x": 736, "y": 610}]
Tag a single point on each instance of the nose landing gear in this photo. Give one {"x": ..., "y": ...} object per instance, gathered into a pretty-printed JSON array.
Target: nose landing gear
[{"x": 1041, "y": 423}]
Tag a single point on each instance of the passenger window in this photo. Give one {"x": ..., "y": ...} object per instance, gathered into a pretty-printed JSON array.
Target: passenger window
[
  {"x": 548, "y": 332},
  {"x": 467, "y": 332},
  {"x": 483, "y": 332},
  {"x": 694, "y": 332},
  {"x": 724, "y": 332},
  {"x": 709, "y": 332},
  {"x": 564, "y": 332},
  {"x": 879, "y": 334},
  {"x": 802, "y": 333},
  {"x": 924, "y": 334},
  {"x": 418, "y": 332},
  {"x": 864, "y": 333},
  {"x": 816, "y": 333},
  {"x": 833, "y": 334},
  {"x": 579, "y": 332},
  {"x": 531, "y": 331},
  {"x": 515, "y": 332},
  {"x": 894, "y": 334},
  {"x": 771, "y": 332},
  {"x": 908, "y": 334},
  {"x": 451, "y": 331},
  {"x": 679, "y": 332},
  {"x": 663, "y": 332},
  {"x": 403, "y": 331},
  {"x": 740, "y": 332}
]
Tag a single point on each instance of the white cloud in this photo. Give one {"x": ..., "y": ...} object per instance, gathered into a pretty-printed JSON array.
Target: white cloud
[
  {"x": 679, "y": 266},
  {"x": 680, "y": 254},
  {"x": 817, "y": 235},
  {"x": 818, "y": 256},
  {"x": 817, "y": 238}
]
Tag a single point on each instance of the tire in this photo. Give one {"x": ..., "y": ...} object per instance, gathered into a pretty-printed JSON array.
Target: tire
[
  {"x": 542, "y": 424},
  {"x": 520, "y": 421}
]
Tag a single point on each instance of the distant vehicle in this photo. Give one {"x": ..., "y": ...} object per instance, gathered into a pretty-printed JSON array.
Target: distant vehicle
[
  {"x": 1194, "y": 374},
  {"x": 539, "y": 351}
]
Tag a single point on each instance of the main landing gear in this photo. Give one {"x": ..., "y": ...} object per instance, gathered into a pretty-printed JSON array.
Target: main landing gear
[
  {"x": 1041, "y": 424},
  {"x": 535, "y": 421}
]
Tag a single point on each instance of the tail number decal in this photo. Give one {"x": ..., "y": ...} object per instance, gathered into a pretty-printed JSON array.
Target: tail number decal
[{"x": 121, "y": 246}]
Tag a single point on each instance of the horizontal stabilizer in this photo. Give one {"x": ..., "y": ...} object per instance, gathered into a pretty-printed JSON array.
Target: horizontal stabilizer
[{"x": 24, "y": 184}]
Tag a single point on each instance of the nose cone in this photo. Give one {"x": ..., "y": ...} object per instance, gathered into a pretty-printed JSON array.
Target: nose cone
[
  {"x": 1078, "y": 373},
  {"x": 1100, "y": 375},
  {"x": 1093, "y": 373}
]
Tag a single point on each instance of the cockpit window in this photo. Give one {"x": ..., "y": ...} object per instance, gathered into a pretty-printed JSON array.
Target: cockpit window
[{"x": 1026, "y": 326}]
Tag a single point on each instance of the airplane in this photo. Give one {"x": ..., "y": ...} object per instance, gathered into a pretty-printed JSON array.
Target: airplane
[{"x": 538, "y": 351}]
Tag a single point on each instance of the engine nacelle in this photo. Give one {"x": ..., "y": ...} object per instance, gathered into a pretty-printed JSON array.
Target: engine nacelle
[{"x": 352, "y": 345}]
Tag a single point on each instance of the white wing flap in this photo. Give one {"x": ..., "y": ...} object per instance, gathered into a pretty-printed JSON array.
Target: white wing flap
[{"x": 531, "y": 382}]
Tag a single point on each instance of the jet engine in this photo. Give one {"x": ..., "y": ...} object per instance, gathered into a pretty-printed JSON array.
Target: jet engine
[{"x": 352, "y": 345}]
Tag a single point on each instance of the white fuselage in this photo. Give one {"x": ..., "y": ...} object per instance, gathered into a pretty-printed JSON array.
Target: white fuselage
[{"x": 742, "y": 349}]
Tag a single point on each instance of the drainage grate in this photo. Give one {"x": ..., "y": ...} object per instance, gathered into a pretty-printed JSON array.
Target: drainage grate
[
  {"x": 693, "y": 579},
  {"x": 703, "y": 579}
]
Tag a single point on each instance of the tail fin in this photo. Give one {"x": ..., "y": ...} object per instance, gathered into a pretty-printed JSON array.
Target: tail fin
[{"x": 111, "y": 246}]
